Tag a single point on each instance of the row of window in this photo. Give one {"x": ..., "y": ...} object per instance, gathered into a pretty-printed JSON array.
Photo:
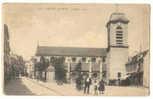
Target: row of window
[{"x": 84, "y": 59}]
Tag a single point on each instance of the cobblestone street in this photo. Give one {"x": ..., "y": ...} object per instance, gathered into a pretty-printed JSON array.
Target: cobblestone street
[{"x": 27, "y": 86}]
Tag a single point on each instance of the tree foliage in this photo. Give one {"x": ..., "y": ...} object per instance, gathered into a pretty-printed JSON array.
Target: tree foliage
[
  {"x": 17, "y": 63},
  {"x": 60, "y": 72},
  {"x": 42, "y": 67},
  {"x": 78, "y": 68},
  {"x": 44, "y": 63}
]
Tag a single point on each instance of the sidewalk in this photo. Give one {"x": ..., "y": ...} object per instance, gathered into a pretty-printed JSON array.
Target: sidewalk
[
  {"x": 17, "y": 87},
  {"x": 24, "y": 86},
  {"x": 64, "y": 90},
  {"x": 70, "y": 90}
]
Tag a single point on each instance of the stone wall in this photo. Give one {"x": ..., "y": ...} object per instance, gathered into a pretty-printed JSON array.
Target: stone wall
[{"x": 117, "y": 59}]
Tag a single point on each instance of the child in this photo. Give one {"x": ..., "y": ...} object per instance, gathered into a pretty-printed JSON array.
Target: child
[{"x": 95, "y": 87}]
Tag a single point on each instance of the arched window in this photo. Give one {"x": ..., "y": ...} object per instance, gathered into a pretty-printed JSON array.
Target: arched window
[
  {"x": 93, "y": 59},
  {"x": 83, "y": 59},
  {"x": 119, "y": 27},
  {"x": 74, "y": 59},
  {"x": 119, "y": 35},
  {"x": 104, "y": 59}
]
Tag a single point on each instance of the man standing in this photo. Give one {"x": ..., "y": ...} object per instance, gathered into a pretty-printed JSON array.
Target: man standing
[{"x": 87, "y": 85}]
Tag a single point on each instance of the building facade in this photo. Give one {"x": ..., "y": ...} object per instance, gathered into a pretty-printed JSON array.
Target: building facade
[
  {"x": 137, "y": 69},
  {"x": 7, "y": 66},
  {"x": 107, "y": 63}
]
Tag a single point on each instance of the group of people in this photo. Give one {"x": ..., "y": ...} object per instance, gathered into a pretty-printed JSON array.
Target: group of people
[{"x": 98, "y": 85}]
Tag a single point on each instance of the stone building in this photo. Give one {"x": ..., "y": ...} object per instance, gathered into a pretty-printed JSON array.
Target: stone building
[
  {"x": 92, "y": 59},
  {"x": 137, "y": 69},
  {"x": 108, "y": 63},
  {"x": 7, "y": 66}
]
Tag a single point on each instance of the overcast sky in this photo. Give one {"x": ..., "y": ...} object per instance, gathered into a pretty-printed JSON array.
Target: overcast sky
[{"x": 71, "y": 25}]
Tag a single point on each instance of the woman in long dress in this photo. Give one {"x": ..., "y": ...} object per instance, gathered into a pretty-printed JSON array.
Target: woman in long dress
[{"x": 101, "y": 87}]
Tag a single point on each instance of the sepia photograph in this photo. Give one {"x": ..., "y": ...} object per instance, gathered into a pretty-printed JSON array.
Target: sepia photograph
[{"x": 76, "y": 49}]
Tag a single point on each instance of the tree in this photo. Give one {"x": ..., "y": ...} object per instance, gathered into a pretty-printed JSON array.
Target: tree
[
  {"x": 60, "y": 72},
  {"x": 44, "y": 63},
  {"x": 38, "y": 69},
  {"x": 79, "y": 79},
  {"x": 34, "y": 61},
  {"x": 17, "y": 65},
  {"x": 78, "y": 68}
]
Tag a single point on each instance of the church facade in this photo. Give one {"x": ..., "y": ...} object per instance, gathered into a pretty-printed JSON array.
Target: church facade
[{"x": 108, "y": 63}]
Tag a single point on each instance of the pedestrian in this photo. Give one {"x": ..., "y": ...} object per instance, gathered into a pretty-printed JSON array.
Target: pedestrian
[
  {"x": 87, "y": 85},
  {"x": 78, "y": 83},
  {"x": 101, "y": 87},
  {"x": 95, "y": 87}
]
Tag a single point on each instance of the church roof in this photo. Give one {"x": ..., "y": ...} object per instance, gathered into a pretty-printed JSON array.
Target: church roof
[
  {"x": 70, "y": 51},
  {"x": 118, "y": 17}
]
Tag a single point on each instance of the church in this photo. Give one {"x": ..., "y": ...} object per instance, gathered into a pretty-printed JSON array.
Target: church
[{"x": 107, "y": 63}]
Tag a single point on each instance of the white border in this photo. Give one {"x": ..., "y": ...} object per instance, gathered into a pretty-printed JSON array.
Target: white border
[{"x": 81, "y": 1}]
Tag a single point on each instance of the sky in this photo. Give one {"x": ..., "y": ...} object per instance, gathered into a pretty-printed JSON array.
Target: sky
[{"x": 71, "y": 25}]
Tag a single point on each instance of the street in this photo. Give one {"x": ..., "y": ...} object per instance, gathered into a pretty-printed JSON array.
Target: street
[
  {"x": 24, "y": 86},
  {"x": 27, "y": 86}
]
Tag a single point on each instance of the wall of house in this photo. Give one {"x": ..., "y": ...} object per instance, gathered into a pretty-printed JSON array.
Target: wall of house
[{"x": 146, "y": 69}]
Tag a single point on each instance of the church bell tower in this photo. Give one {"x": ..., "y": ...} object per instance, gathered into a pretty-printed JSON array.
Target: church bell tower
[{"x": 117, "y": 28}]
